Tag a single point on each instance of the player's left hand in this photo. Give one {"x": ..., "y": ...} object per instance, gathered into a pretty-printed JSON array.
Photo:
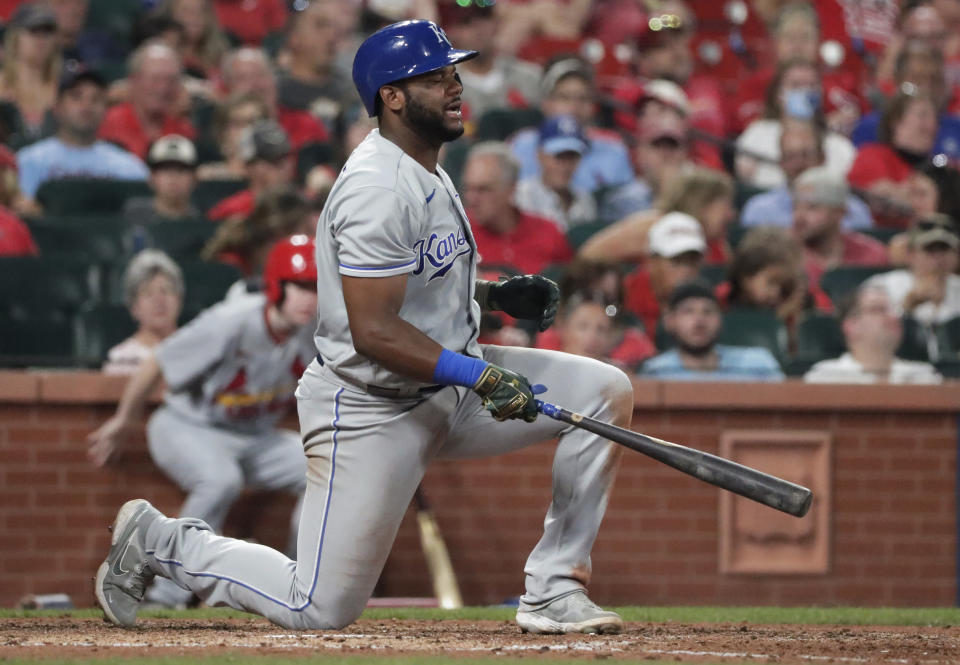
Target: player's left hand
[{"x": 527, "y": 297}]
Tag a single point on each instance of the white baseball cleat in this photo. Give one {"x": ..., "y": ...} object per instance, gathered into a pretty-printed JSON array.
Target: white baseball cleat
[
  {"x": 573, "y": 613},
  {"x": 123, "y": 577}
]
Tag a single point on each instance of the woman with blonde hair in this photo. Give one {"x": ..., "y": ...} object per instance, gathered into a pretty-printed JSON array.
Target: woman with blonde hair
[
  {"x": 204, "y": 43},
  {"x": 31, "y": 70},
  {"x": 705, "y": 194}
]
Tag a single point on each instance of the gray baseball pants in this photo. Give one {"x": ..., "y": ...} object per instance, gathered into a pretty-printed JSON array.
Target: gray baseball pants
[{"x": 365, "y": 458}]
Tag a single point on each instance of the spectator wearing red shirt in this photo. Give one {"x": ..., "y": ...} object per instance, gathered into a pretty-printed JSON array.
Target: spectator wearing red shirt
[
  {"x": 269, "y": 160},
  {"x": 505, "y": 235},
  {"x": 907, "y": 134},
  {"x": 15, "y": 238},
  {"x": 796, "y": 37},
  {"x": 676, "y": 246},
  {"x": 820, "y": 202},
  {"x": 251, "y": 20},
  {"x": 155, "y": 85},
  {"x": 247, "y": 70}
]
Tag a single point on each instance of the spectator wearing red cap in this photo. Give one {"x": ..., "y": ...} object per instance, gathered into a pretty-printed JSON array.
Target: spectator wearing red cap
[
  {"x": 505, "y": 235},
  {"x": 568, "y": 89},
  {"x": 491, "y": 80},
  {"x": 154, "y": 108},
  {"x": 15, "y": 237},
  {"x": 250, "y": 21}
]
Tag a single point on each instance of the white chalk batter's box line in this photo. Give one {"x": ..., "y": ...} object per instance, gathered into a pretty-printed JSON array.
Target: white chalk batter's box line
[{"x": 325, "y": 640}]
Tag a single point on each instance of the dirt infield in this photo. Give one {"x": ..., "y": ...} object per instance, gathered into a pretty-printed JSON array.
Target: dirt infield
[{"x": 68, "y": 637}]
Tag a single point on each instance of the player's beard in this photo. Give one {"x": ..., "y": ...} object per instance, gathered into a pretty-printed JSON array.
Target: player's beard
[{"x": 429, "y": 123}]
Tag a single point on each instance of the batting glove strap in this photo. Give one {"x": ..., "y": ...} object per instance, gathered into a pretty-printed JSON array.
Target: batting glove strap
[{"x": 506, "y": 394}]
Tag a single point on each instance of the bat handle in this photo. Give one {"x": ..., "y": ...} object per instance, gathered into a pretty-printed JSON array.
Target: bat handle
[{"x": 548, "y": 409}]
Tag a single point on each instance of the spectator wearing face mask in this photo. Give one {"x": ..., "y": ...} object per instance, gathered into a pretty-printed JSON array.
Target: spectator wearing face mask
[
  {"x": 693, "y": 320},
  {"x": 872, "y": 332},
  {"x": 794, "y": 93}
]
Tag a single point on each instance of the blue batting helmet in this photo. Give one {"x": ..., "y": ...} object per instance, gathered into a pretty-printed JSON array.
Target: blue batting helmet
[{"x": 400, "y": 51}]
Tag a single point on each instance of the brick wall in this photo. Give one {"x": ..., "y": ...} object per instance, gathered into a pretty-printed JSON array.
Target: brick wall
[{"x": 893, "y": 521}]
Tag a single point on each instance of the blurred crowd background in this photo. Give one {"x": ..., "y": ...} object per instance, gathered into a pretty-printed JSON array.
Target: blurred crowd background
[{"x": 739, "y": 189}]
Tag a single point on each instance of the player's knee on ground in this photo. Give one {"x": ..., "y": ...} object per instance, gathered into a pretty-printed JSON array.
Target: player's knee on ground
[{"x": 324, "y": 614}]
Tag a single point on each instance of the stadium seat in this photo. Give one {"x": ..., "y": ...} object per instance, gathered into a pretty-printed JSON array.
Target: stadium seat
[
  {"x": 840, "y": 282},
  {"x": 57, "y": 282},
  {"x": 742, "y": 192},
  {"x": 314, "y": 154},
  {"x": 88, "y": 196},
  {"x": 210, "y": 192},
  {"x": 950, "y": 369},
  {"x": 500, "y": 124},
  {"x": 743, "y": 326},
  {"x": 181, "y": 240},
  {"x": 98, "y": 328},
  {"x": 914, "y": 344},
  {"x": 33, "y": 334},
  {"x": 580, "y": 233},
  {"x": 206, "y": 283},
  {"x": 819, "y": 336},
  {"x": 98, "y": 239},
  {"x": 454, "y": 159},
  {"x": 882, "y": 234},
  {"x": 949, "y": 338},
  {"x": 713, "y": 274},
  {"x": 735, "y": 234}
]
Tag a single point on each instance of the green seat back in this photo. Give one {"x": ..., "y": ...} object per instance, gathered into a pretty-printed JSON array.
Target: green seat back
[
  {"x": 98, "y": 239},
  {"x": 98, "y": 328},
  {"x": 819, "y": 336},
  {"x": 500, "y": 124},
  {"x": 181, "y": 240},
  {"x": 208, "y": 193},
  {"x": 206, "y": 283},
  {"x": 949, "y": 337},
  {"x": 56, "y": 282},
  {"x": 34, "y": 334},
  {"x": 580, "y": 233},
  {"x": 841, "y": 282},
  {"x": 743, "y": 326},
  {"x": 88, "y": 196},
  {"x": 713, "y": 274}
]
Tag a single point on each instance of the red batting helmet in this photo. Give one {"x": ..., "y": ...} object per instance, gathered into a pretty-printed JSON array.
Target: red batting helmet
[{"x": 292, "y": 260}]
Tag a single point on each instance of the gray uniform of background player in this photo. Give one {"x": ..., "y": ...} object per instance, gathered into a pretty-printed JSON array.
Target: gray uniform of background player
[
  {"x": 366, "y": 455},
  {"x": 228, "y": 383}
]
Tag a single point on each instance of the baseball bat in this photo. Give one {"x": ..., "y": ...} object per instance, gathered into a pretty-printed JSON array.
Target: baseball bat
[
  {"x": 747, "y": 482},
  {"x": 438, "y": 559}
]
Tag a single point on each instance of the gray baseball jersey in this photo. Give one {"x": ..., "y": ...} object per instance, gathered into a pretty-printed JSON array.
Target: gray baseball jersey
[
  {"x": 226, "y": 368},
  {"x": 387, "y": 215}
]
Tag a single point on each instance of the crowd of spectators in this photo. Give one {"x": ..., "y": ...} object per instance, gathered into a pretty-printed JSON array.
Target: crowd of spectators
[{"x": 703, "y": 179}]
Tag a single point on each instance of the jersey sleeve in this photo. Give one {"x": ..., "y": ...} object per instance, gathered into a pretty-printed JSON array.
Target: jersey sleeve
[
  {"x": 375, "y": 233},
  {"x": 194, "y": 349}
]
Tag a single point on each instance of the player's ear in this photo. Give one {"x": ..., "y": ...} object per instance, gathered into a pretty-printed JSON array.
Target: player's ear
[{"x": 393, "y": 97}]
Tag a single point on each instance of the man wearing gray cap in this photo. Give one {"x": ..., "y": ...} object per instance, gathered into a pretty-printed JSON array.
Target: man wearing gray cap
[
  {"x": 265, "y": 149},
  {"x": 819, "y": 205},
  {"x": 928, "y": 290}
]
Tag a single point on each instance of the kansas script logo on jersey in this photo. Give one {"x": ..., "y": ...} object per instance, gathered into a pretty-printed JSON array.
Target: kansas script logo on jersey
[{"x": 439, "y": 253}]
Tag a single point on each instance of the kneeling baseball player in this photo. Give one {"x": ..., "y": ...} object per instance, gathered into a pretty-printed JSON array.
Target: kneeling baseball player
[{"x": 398, "y": 381}]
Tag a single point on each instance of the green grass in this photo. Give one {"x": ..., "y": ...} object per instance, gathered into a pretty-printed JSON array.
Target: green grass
[{"x": 851, "y": 616}]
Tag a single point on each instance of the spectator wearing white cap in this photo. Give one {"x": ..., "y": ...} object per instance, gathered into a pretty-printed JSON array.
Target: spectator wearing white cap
[
  {"x": 552, "y": 194},
  {"x": 872, "y": 331},
  {"x": 568, "y": 89},
  {"x": 929, "y": 288},
  {"x": 819, "y": 206},
  {"x": 172, "y": 161},
  {"x": 694, "y": 321},
  {"x": 676, "y": 246}
]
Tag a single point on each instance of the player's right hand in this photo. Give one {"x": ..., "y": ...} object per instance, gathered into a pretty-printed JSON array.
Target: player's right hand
[
  {"x": 506, "y": 394},
  {"x": 105, "y": 442}
]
